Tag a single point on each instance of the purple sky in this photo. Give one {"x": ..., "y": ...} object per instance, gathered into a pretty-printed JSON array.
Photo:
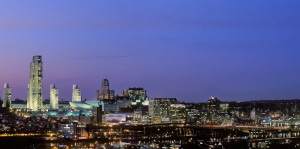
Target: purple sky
[{"x": 190, "y": 50}]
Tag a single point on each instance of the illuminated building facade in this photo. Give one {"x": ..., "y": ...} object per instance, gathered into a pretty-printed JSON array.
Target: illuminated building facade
[
  {"x": 178, "y": 113},
  {"x": 140, "y": 115},
  {"x": 107, "y": 106},
  {"x": 216, "y": 106},
  {"x": 35, "y": 100},
  {"x": 76, "y": 96},
  {"x": 81, "y": 105},
  {"x": 67, "y": 130},
  {"x": 136, "y": 93},
  {"x": 62, "y": 106},
  {"x": 105, "y": 93},
  {"x": 159, "y": 109},
  {"x": 53, "y": 97},
  {"x": 6, "y": 95}
]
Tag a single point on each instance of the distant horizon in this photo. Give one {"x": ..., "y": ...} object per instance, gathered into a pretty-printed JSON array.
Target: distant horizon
[{"x": 171, "y": 97}]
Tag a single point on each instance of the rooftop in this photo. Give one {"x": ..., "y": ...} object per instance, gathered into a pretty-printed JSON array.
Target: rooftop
[{"x": 136, "y": 88}]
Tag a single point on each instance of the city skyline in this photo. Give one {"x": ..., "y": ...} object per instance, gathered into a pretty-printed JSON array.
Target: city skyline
[
  {"x": 147, "y": 74},
  {"x": 189, "y": 51}
]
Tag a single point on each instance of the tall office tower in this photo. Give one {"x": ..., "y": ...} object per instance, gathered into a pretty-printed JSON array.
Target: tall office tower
[
  {"x": 76, "y": 93},
  {"x": 28, "y": 97},
  {"x": 105, "y": 93},
  {"x": 36, "y": 84},
  {"x": 6, "y": 95},
  {"x": 53, "y": 97}
]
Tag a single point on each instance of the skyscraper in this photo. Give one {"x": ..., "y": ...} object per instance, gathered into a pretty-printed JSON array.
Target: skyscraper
[
  {"x": 6, "y": 95},
  {"x": 53, "y": 97},
  {"x": 36, "y": 84},
  {"x": 76, "y": 93},
  {"x": 28, "y": 97},
  {"x": 105, "y": 93}
]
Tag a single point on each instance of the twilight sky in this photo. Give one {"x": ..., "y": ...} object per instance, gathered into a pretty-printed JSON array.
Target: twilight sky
[{"x": 187, "y": 49}]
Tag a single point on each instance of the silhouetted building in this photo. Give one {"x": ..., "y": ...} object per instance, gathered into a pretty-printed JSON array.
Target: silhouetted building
[
  {"x": 215, "y": 106},
  {"x": 97, "y": 113}
]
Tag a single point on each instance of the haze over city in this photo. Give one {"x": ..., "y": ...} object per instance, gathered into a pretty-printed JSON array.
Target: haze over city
[{"x": 189, "y": 51}]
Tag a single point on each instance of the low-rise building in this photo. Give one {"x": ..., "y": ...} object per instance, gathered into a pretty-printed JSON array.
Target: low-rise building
[
  {"x": 141, "y": 116},
  {"x": 119, "y": 118},
  {"x": 67, "y": 130},
  {"x": 159, "y": 109},
  {"x": 178, "y": 113}
]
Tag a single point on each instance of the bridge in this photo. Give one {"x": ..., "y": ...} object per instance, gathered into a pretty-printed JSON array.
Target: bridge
[{"x": 180, "y": 131}]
